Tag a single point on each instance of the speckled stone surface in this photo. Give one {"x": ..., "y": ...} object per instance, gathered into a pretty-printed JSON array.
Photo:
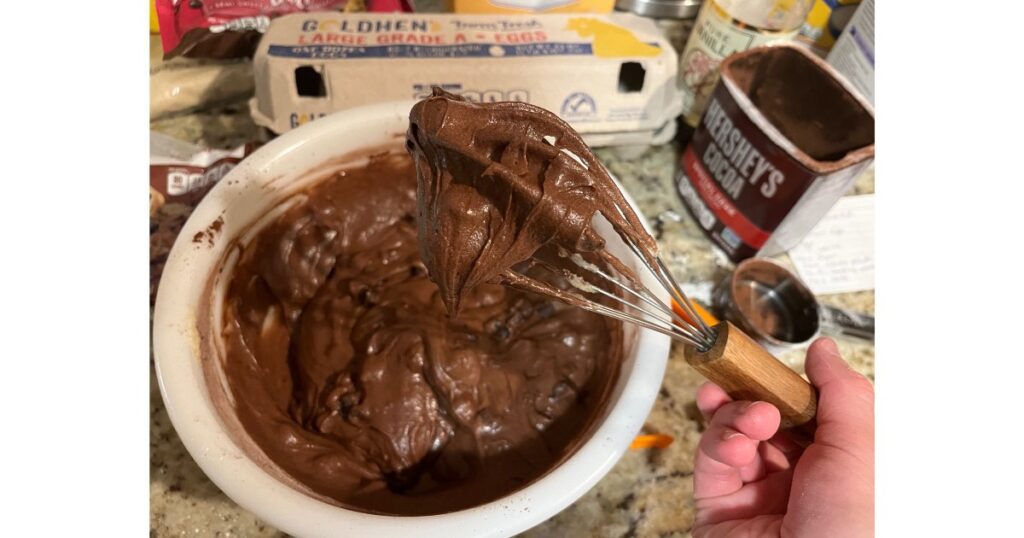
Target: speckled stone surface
[{"x": 647, "y": 494}]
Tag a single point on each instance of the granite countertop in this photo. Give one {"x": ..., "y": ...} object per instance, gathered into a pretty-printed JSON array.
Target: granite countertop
[{"x": 648, "y": 493}]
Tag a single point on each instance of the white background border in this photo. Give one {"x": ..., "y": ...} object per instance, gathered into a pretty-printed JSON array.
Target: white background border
[{"x": 73, "y": 395}]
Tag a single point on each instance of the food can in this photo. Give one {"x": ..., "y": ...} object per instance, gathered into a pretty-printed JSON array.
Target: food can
[{"x": 783, "y": 138}]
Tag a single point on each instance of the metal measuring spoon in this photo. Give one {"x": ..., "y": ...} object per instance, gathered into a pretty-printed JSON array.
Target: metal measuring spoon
[{"x": 773, "y": 305}]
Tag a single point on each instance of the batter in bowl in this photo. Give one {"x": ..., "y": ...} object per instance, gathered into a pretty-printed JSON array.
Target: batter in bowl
[{"x": 347, "y": 372}]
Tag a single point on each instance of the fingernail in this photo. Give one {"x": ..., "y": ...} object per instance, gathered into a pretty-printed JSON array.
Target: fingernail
[
  {"x": 748, "y": 406},
  {"x": 826, "y": 345},
  {"x": 729, "y": 434}
]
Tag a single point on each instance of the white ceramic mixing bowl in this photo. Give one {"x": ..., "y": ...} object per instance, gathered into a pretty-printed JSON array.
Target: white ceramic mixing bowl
[{"x": 241, "y": 198}]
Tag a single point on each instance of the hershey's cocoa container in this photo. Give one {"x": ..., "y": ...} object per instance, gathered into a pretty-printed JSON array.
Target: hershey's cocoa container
[{"x": 783, "y": 138}]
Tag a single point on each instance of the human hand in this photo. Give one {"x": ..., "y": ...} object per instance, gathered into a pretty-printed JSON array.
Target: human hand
[{"x": 752, "y": 480}]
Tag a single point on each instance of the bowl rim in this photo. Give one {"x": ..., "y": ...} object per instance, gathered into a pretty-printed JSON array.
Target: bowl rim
[{"x": 179, "y": 371}]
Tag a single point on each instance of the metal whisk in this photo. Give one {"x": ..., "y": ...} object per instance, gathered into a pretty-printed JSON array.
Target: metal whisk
[
  {"x": 650, "y": 312},
  {"x": 482, "y": 148},
  {"x": 723, "y": 353},
  {"x": 656, "y": 316}
]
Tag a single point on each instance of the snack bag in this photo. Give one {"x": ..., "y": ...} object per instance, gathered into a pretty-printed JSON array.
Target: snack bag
[
  {"x": 232, "y": 28},
  {"x": 180, "y": 174}
]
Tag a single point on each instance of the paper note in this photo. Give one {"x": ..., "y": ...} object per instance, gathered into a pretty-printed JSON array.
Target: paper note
[{"x": 838, "y": 256}]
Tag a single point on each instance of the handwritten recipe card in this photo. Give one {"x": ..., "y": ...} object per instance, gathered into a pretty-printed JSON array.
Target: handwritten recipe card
[{"x": 838, "y": 256}]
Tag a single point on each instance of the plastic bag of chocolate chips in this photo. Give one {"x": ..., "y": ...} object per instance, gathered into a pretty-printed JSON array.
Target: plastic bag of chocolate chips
[
  {"x": 180, "y": 174},
  {"x": 783, "y": 138}
]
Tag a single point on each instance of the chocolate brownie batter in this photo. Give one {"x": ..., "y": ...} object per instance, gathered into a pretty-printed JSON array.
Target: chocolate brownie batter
[
  {"x": 345, "y": 371},
  {"x": 503, "y": 184}
]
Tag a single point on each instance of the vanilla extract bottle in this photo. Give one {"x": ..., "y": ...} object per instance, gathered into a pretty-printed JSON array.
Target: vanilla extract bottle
[{"x": 725, "y": 27}]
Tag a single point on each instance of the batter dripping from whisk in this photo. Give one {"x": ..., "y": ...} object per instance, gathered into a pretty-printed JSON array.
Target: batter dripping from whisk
[
  {"x": 506, "y": 183},
  {"x": 505, "y": 186}
]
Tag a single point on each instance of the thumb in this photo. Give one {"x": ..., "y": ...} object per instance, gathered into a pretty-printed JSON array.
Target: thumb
[{"x": 846, "y": 402}]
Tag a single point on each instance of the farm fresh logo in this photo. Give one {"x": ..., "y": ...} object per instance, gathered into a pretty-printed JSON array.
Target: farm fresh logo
[{"x": 364, "y": 26}]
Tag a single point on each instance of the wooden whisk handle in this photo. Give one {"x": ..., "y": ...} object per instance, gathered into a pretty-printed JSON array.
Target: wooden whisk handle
[{"x": 746, "y": 371}]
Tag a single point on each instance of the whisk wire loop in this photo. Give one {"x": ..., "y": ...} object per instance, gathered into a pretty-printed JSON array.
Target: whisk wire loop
[{"x": 650, "y": 311}]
